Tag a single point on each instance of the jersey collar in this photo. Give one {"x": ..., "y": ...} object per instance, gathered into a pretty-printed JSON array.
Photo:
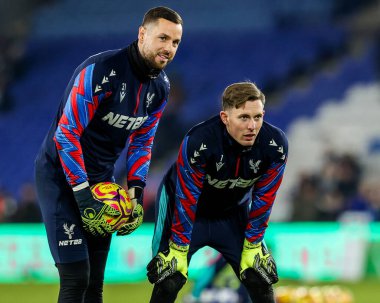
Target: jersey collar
[{"x": 139, "y": 65}]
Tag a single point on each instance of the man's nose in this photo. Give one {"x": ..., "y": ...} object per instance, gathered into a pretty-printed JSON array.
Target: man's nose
[
  {"x": 252, "y": 124},
  {"x": 168, "y": 47}
]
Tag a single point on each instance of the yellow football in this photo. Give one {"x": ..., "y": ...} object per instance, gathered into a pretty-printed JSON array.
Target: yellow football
[{"x": 115, "y": 196}]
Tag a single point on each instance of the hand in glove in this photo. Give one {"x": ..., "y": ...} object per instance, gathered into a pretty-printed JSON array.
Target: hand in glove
[
  {"x": 92, "y": 211},
  {"x": 135, "y": 194},
  {"x": 257, "y": 257},
  {"x": 166, "y": 263}
]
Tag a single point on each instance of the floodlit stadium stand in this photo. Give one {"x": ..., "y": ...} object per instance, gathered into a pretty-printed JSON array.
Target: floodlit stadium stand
[{"x": 267, "y": 44}]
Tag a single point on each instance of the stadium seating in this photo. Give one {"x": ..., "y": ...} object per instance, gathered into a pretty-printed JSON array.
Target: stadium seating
[
  {"x": 348, "y": 124},
  {"x": 207, "y": 61},
  {"x": 205, "y": 67}
]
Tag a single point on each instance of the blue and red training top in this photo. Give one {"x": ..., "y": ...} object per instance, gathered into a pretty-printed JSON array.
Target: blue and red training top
[
  {"x": 106, "y": 107},
  {"x": 214, "y": 174}
]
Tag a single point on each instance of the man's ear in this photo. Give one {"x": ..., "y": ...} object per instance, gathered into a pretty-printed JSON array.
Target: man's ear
[
  {"x": 141, "y": 35},
  {"x": 224, "y": 117}
]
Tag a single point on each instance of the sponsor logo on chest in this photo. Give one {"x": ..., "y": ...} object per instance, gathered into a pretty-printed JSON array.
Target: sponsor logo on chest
[
  {"x": 231, "y": 183},
  {"x": 122, "y": 121}
]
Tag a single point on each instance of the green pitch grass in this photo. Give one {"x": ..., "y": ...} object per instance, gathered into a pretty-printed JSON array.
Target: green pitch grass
[
  {"x": 48, "y": 293},
  {"x": 364, "y": 292}
]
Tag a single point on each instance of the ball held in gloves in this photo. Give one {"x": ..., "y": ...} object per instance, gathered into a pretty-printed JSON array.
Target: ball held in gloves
[{"x": 115, "y": 196}]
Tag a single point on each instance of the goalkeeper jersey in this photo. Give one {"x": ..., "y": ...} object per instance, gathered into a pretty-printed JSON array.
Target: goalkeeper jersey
[
  {"x": 214, "y": 174},
  {"x": 105, "y": 107}
]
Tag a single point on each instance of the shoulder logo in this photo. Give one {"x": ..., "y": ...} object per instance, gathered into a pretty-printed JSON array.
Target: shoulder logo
[
  {"x": 219, "y": 164},
  {"x": 254, "y": 165},
  {"x": 272, "y": 143},
  {"x": 112, "y": 73},
  {"x": 69, "y": 230},
  {"x": 98, "y": 88},
  {"x": 197, "y": 154},
  {"x": 123, "y": 91},
  {"x": 105, "y": 80},
  {"x": 203, "y": 147},
  {"x": 149, "y": 99}
]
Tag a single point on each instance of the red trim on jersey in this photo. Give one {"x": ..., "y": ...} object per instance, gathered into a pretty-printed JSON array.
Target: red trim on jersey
[
  {"x": 138, "y": 99},
  {"x": 237, "y": 167}
]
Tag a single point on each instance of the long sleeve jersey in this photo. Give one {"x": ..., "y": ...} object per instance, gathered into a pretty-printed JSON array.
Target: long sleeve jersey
[
  {"x": 214, "y": 174},
  {"x": 105, "y": 108}
]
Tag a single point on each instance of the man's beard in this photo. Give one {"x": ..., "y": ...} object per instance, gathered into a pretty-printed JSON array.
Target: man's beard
[{"x": 151, "y": 62}]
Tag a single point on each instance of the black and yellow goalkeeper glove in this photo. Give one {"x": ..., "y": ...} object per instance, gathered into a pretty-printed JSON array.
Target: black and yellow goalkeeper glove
[
  {"x": 168, "y": 262},
  {"x": 92, "y": 211},
  {"x": 137, "y": 216},
  {"x": 257, "y": 257}
]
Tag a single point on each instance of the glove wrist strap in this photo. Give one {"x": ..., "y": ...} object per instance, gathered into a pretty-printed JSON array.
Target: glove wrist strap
[
  {"x": 249, "y": 245},
  {"x": 82, "y": 194},
  {"x": 181, "y": 248},
  {"x": 136, "y": 193}
]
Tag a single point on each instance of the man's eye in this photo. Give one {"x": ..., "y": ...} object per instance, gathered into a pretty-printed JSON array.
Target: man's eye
[{"x": 163, "y": 38}]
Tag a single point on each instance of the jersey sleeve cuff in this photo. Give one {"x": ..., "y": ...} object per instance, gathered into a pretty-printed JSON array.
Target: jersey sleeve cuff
[
  {"x": 136, "y": 183},
  {"x": 81, "y": 186}
]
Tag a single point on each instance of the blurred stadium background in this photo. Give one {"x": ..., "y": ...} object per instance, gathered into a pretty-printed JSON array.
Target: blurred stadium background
[{"x": 317, "y": 61}]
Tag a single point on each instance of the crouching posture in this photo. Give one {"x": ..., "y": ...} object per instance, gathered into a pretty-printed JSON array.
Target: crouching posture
[{"x": 220, "y": 193}]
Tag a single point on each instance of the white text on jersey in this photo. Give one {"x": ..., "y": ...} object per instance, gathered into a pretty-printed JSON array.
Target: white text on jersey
[
  {"x": 122, "y": 121},
  {"x": 231, "y": 183}
]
